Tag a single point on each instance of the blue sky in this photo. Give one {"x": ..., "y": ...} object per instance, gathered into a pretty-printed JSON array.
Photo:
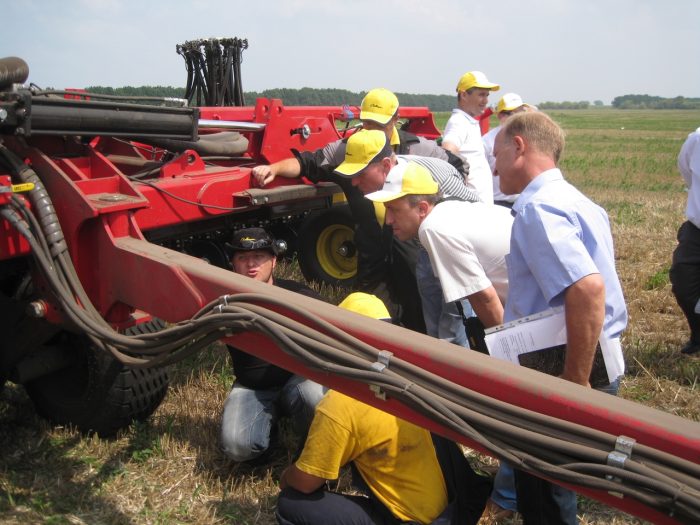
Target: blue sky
[{"x": 542, "y": 49}]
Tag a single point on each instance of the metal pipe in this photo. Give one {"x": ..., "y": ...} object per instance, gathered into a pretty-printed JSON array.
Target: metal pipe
[{"x": 232, "y": 125}]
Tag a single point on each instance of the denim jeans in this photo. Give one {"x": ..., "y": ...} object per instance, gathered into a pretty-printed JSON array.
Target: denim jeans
[
  {"x": 503, "y": 493},
  {"x": 250, "y": 415},
  {"x": 542, "y": 502},
  {"x": 442, "y": 320}
]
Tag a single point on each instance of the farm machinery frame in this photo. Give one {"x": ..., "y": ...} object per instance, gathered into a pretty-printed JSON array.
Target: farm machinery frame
[{"x": 113, "y": 219}]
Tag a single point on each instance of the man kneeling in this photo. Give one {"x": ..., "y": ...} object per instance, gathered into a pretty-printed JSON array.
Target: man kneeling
[{"x": 401, "y": 466}]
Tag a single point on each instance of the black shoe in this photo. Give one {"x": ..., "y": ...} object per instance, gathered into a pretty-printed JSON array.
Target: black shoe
[{"x": 690, "y": 348}]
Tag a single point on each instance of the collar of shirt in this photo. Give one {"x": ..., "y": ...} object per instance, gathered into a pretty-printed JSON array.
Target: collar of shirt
[
  {"x": 466, "y": 115},
  {"x": 534, "y": 186}
]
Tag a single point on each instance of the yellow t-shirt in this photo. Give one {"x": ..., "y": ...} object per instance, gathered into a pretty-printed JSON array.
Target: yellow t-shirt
[{"x": 395, "y": 458}]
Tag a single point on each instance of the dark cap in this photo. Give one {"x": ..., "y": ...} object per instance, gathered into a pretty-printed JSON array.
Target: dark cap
[{"x": 248, "y": 239}]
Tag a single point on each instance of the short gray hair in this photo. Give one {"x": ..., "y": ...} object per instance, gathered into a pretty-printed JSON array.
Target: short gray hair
[
  {"x": 432, "y": 199},
  {"x": 538, "y": 130}
]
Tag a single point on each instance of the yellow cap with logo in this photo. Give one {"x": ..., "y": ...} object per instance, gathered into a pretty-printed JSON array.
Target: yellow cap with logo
[
  {"x": 510, "y": 102},
  {"x": 406, "y": 178},
  {"x": 379, "y": 105},
  {"x": 475, "y": 79},
  {"x": 363, "y": 148}
]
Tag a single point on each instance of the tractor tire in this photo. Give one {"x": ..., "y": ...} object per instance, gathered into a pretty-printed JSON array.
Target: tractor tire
[
  {"x": 97, "y": 393},
  {"x": 325, "y": 247}
]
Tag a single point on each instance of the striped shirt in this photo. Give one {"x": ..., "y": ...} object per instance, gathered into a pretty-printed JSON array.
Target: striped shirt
[{"x": 449, "y": 179}]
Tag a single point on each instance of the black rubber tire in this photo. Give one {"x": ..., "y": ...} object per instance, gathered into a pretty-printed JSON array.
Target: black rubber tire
[
  {"x": 321, "y": 235},
  {"x": 96, "y": 393}
]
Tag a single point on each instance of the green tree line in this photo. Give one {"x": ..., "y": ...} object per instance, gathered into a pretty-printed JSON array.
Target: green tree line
[
  {"x": 336, "y": 97},
  {"x": 650, "y": 102}
]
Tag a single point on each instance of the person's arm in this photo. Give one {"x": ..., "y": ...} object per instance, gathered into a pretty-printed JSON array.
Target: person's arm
[
  {"x": 451, "y": 147},
  {"x": 299, "y": 480},
  {"x": 487, "y": 307},
  {"x": 584, "y": 310},
  {"x": 289, "y": 168}
]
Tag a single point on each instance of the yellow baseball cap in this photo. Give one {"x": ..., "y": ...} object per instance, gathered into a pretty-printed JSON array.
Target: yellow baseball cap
[
  {"x": 379, "y": 105},
  {"x": 406, "y": 178},
  {"x": 365, "y": 304},
  {"x": 475, "y": 79},
  {"x": 510, "y": 102},
  {"x": 363, "y": 148}
]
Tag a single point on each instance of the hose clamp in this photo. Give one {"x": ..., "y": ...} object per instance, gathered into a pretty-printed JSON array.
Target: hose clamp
[
  {"x": 618, "y": 457},
  {"x": 381, "y": 364}
]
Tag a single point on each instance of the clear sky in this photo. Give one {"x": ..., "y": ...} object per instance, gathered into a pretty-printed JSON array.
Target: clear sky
[{"x": 545, "y": 50}]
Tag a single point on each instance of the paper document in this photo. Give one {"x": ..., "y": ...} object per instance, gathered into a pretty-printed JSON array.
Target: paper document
[
  {"x": 535, "y": 332},
  {"x": 539, "y": 341}
]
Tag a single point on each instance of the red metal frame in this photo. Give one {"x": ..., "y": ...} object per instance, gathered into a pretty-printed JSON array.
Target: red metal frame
[{"x": 104, "y": 214}]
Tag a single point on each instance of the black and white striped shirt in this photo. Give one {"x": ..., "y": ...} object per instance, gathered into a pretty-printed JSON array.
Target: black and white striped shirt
[{"x": 449, "y": 179}]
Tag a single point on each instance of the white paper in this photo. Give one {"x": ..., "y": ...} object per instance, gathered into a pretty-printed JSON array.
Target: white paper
[
  {"x": 534, "y": 332},
  {"x": 545, "y": 330},
  {"x": 612, "y": 355}
]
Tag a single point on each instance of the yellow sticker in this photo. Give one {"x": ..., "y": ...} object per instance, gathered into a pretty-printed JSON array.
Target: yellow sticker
[{"x": 27, "y": 186}]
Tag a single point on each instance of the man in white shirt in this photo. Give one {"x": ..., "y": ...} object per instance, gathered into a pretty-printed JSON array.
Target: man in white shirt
[
  {"x": 462, "y": 133},
  {"x": 466, "y": 242},
  {"x": 685, "y": 269},
  {"x": 509, "y": 104}
]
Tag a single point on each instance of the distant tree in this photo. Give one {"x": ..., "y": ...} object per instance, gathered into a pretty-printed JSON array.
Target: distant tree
[
  {"x": 598, "y": 103},
  {"x": 583, "y": 104},
  {"x": 650, "y": 102}
]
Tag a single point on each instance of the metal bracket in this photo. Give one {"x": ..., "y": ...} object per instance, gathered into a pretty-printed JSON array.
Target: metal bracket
[
  {"x": 618, "y": 457},
  {"x": 381, "y": 364}
]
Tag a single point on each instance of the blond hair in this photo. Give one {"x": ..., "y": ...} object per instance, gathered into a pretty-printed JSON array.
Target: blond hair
[{"x": 539, "y": 132}]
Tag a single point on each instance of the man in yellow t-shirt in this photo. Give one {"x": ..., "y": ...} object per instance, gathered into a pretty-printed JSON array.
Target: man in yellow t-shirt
[{"x": 395, "y": 459}]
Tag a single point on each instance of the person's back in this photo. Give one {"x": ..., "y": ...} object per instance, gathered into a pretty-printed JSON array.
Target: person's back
[
  {"x": 468, "y": 235},
  {"x": 395, "y": 458}
]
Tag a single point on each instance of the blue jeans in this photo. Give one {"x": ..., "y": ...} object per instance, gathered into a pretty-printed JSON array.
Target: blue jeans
[
  {"x": 249, "y": 415},
  {"x": 442, "y": 320},
  {"x": 503, "y": 493},
  {"x": 542, "y": 502}
]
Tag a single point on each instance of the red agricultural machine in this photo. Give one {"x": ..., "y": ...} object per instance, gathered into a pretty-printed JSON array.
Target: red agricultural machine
[{"x": 113, "y": 223}]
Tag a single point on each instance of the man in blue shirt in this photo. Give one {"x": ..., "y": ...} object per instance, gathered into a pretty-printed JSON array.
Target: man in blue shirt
[{"x": 561, "y": 254}]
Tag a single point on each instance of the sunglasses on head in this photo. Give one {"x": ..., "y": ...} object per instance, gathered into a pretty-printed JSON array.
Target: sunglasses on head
[{"x": 254, "y": 244}]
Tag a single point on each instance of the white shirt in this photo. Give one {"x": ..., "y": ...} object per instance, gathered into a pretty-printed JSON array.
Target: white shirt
[
  {"x": 464, "y": 132},
  {"x": 467, "y": 244},
  {"x": 489, "y": 139},
  {"x": 689, "y": 166}
]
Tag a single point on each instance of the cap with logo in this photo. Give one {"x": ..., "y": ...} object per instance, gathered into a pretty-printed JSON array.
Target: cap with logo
[
  {"x": 406, "y": 178},
  {"x": 247, "y": 239},
  {"x": 365, "y": 304},
  {"x": 510, "y": 102},
  {"x": 379, "y": 105},
  {"x": 363, "y": 148},
  {"x": 475, "y": 79}
]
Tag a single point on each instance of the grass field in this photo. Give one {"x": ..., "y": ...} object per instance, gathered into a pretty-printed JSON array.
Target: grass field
[{"x": 170, "y": 470}]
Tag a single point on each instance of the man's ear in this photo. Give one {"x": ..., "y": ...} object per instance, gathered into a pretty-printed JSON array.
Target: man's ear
[
  {"x": 423, "y": 209},
  {"x": 386, "y": 165},
  {"x": 520, "y": 144}
]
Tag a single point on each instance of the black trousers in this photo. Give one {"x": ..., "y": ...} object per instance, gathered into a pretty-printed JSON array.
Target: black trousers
[
  {"x": 685, "y": 275},
  {"x": 328, "y": 508}
]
